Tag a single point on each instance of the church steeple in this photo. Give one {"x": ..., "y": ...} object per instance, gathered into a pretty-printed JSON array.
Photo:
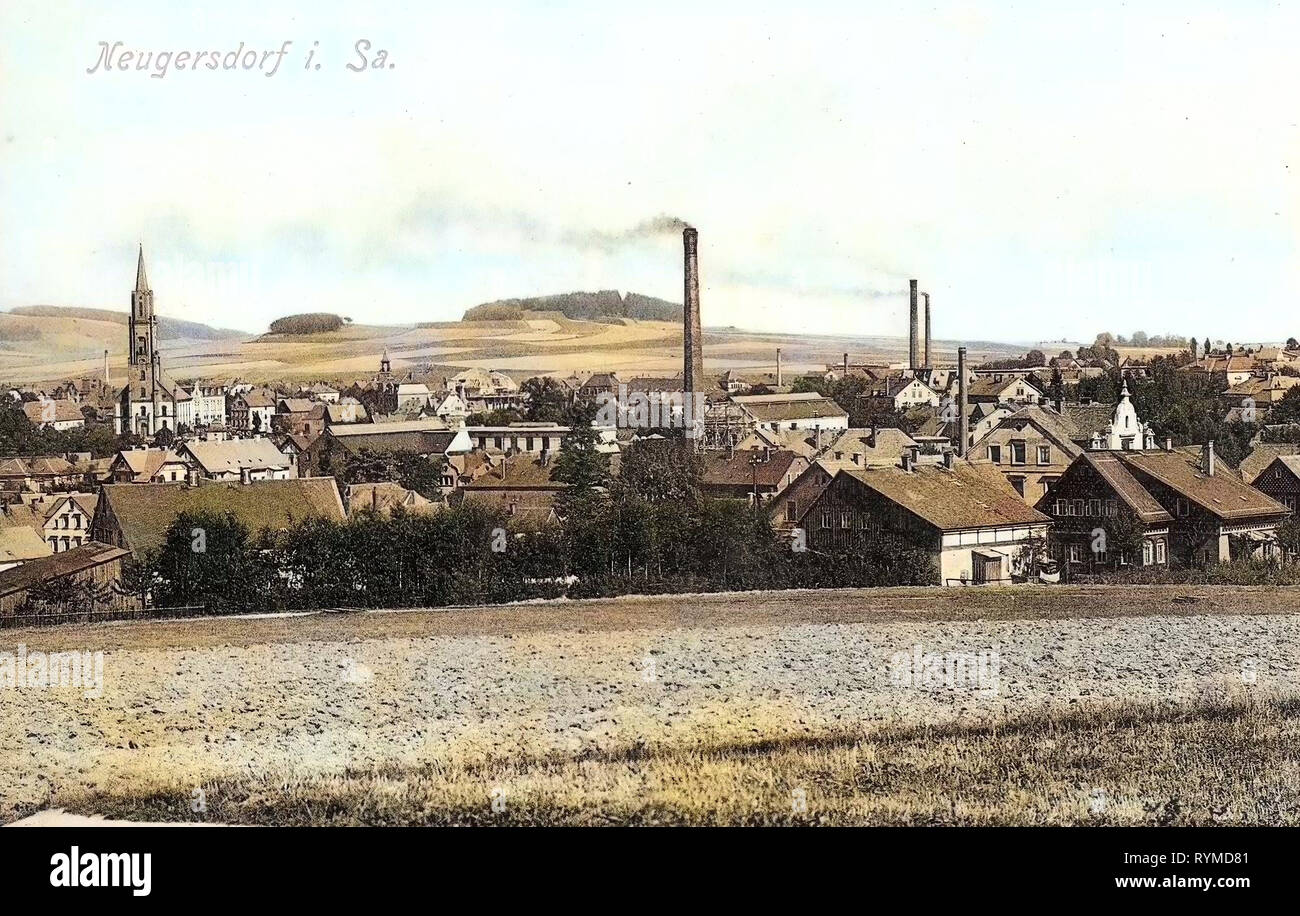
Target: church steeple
[
  {"x": 140, "y": 344},
  {"x": 141, "y": 279}
]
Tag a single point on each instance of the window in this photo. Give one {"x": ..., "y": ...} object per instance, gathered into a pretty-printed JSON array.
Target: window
[
  {"x": 1061, "y": 507},
  {"x": 846, "y": 521},
  {"x": 826, "y": 518},
  {"x": 1094, "y": 507},
  {"x": 1112, "y": 508},
  {"x": 1017, "y": 453},
  {"x": 1182, "y": 508},
  {"x": 1044, "y": 454},
  {"x": 1160, "y": 551},
  {"x": 1147, "y": 553},
  {"x": 792, "y": 510},
  {"x": 995, "y": 454},
  {"x": 1018, "y": 484},
  {"x": 1076, "y": 553},
  {"x": 1077, "y": 507}
]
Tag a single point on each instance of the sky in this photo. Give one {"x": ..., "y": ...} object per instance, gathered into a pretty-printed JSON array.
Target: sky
[{"x": 1045, "y": 173}]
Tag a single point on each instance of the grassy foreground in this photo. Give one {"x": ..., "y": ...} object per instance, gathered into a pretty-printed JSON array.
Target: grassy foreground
[{"x": 1211, "y": 763}]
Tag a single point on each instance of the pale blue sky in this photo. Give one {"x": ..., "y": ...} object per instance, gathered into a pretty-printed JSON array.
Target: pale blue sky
[{"x": 1045, "y": 173}]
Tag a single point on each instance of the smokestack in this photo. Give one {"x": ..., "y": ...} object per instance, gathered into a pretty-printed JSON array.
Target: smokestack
[
  {"x": 963, "y": 417},
  {"x": 913, "y": 356},
  {"x": 1207, "y": 458},
  {"x": 927, "y": 330},
  {"x": 105, "y": 367},
  {"x": 846, "y": 365},
  {"x": 693, "y": 375},
  {"x": 778, "y": 367}
]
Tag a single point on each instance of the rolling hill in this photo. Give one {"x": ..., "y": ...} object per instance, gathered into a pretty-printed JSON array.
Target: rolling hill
[{"x": 604, "y": 304}]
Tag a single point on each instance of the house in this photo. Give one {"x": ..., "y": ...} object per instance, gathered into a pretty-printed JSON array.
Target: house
[
  {"x": 428, "y": 437},
  {"x": 783, "y": 412},
  {"x": 1235, "y": 369},
  {"x": 65, "y": 519},
  {"x": 963, "y": 514},
  {"x": 238, "y": 459},
  {"x": 532, "y": 438},
  {"x": 253, "y": 411},
  {"x": 209, "y": 403},
  {"x": 412, "y": 396},
  {"x": 756, "y": 475},
  {"x": 1031, "y": 447},
  {"x": 522, "y": 489},
  {"x": 452, "y": 410},
  {"x": 323, "y": 392},
  {"x": 999, "y": 388},
  {"x": 853, "y": 448},
  {"x": 42, "y": 473},
  {"x": 384, "y": 498},
  {"x": 899, "y": 394},
  {"x": 485, "y": 390},
  {"x": 299, "y": 416},
  {"x": 1281, "y": 480},
  {"x": 1256, "y": 395},
  {"x": 93, "y": 563},
  {"x": 598, "y": 384},
  {"x": 1262, "y": 455},
  {"x": 345, "y": 410},
  {"x": 1185, "y": 511},
  {"x": 148, "y": 465},
  {"x": 136, "y": 516},
  {"x": 60, "y": 415}
]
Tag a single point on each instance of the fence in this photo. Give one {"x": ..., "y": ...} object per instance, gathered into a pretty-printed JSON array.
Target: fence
[{"x": 48, "y": 618}]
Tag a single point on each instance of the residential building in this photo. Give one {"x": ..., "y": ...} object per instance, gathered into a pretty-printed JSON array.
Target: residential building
[
  {"x": 1031, "y": 447},
  {"x": 853, "y": 448},
  {"x": 522, "y": 489},
  {"x": 148, "y": 465},
  {"x": 899, "y": 394},
  {"x": 21, "y": 544},
  {"x": 756, "y": 475},
  {"x": 386, "y": 498},
  {"x": 1210, "y": 514},
  {"x": 38, "y": 474},
  {"x": 784, "y": 412},
  {"x": 1003, "y": 388},
  {"x": 963, "y": 514},
  {"x": 253, "y": 411},
  {"x": 300, "y": 417},
  {"x": 136, "y": 516},
  {"x": 237, "y": 459},
  {"x": 210, "y": 403},
  {"x": 1234, "y": 369},
  {"x": 412, "y": 396},
  {"x": 49, "y": 413},
  {"x": 1281, "y": 481}
]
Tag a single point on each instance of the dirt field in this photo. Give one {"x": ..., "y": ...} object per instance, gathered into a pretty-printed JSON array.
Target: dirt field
[{"x": 266, "y": 715}]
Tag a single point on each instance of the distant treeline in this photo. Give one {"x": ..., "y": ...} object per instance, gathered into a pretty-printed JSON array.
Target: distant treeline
[
  {"x": 607, "y": 303},
  {"x": 168, "y": 328},
  {"x": 307, "y": 323}
]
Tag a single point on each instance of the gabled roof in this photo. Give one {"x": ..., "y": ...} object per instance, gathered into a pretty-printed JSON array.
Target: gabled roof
[
  {"x": 1262, "y": 455},
  {"x": 517, "y": 474},
  {"x": 234, "y": 455},
  {"x": 1223, "y": 494},
  {"x": 145, "y": 462},
  {"x": 63, "y": 411},
  {"x": 1126, "y": 487},
  {"x": 144, "y": 511},
  {"x": 802, "y": 406},
  {"x": 295, "y": 405},
  {"x": 967, "y": 495},
  {"x": 744, "y": 468}
]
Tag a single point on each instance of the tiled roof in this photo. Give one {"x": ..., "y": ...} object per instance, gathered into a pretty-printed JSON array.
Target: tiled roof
[
  {"x": 144, "y": 511},
  {"x": 1126, "y": 487},
  {"x": 517, "y": 473},
  {"x": 1224, "y": 495},
  {"x": 967, "y": 495},
  {"x": 1262, "y": 455},
  {"x": 802, "y": 406},
  {"x": 743, "y": 468},
  {"x": 234, "y": 455}
]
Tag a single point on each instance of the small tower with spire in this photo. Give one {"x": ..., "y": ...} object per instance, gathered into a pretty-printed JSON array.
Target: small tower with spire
[{"x": 142, "y": 319}]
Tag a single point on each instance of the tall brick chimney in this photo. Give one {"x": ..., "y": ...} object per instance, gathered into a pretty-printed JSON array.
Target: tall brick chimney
[
  {"x": 692, "y": 342},
  {"x": 778, "y": 367},
  {"x": 963, "y": 414},
  {"x": 913, "y": 356},
  {"x": 927, "y": 362}
]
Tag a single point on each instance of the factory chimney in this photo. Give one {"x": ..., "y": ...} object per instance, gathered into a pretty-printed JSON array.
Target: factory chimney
[
  {"x": 778, "y": 367},
  {"x": 105, "y": 368},
  {"x": 693, "y": 375},
  {"x": 846, "y": 365},
  {"x": 913, "y": 356},
  {"x": 963, "y": 416},
  {"x": 927, "y": 363}
]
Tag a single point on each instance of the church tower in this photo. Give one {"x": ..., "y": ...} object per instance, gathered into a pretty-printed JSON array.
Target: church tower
[{"x": 141, "y": 353}]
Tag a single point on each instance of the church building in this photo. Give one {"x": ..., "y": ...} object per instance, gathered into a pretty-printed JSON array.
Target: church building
[{"x": 151, "y": 400}]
